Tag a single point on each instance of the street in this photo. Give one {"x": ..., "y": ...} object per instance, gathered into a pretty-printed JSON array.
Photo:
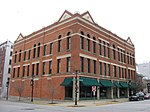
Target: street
[{"x": 137, "y": 106}]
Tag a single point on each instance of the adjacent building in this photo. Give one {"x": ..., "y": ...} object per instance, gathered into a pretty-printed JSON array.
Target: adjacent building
[
  {"x": 144, "y": 68},
  {"x": 6, "y": 50},
  {"x": 73, "y": 46}
]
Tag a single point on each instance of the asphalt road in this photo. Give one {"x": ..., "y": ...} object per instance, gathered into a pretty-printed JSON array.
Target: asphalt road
[{"x": 137, "y": 106}]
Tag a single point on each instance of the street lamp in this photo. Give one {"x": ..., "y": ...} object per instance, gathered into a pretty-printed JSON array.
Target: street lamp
[
  {"x": 129, "y": 87},
  {"x": 76, "y": 86},
  {"x": 7, "y": 85},
  {"x": 32, "y": 87}
]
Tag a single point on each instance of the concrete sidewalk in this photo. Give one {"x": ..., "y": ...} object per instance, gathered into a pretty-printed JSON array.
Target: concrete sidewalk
[{"x": 69, "y": 103}]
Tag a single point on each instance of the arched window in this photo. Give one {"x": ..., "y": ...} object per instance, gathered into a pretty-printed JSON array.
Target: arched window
[
  {"x": 20, "y": 56},
  {"x": 94, "y": 45},
  {"x": 104, "y": 47},
  {"x": 114, "y": 52},
  {"x": 15, "y": 57},
  {"x": 68, "y": 40},
  {"x": 100, "y": 48},
  {"x": 88, "y": 42},
  {"x": 108, "y": 50},
  {"x": 59, "y": 43},
  {"x": 34, "y": 51},
  {"x": 82, "y": 40},
  {"x": 38, "y": 52}
]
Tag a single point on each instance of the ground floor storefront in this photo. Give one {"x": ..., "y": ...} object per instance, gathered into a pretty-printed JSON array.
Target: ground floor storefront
[
  {"x": 67, "y": 87},
  {"x": 105, "y": 89}
]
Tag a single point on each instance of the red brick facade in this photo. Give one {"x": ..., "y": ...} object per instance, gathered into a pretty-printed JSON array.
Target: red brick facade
[{"x": 48, "y": 79}]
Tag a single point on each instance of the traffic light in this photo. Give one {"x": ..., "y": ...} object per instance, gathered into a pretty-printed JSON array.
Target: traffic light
[{"x": 7, "y": 83}]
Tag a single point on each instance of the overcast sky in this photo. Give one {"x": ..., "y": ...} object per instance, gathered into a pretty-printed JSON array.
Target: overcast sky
[{"x": 126, "y": 18}]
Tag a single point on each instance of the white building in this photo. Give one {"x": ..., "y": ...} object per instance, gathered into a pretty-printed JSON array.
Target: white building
[
  {"x": 144, "y": 69},
  {"x": 6, "y": 50}
]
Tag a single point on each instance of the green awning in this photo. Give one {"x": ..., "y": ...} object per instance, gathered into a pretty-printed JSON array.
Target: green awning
[
  {"x": 116, "y": 84},
  {"x": 124, "y": 84},
  {"x": 106, "y": 83},
  {"x": 133, "y": 85},
  {"x": 86, "y": 81},
  {"x": 67, "y": 82}
]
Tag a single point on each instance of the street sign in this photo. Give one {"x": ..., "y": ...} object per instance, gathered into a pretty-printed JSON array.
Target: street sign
[{"x": 94, "y": 88}]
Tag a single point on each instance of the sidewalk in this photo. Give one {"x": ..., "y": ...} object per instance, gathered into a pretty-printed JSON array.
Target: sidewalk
[{"x": 69, "y": 103}]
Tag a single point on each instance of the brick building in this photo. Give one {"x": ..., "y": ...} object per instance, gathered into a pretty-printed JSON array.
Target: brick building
[
  {"x": 6, "y": 50},
  {"x": 74, "y": 43}
]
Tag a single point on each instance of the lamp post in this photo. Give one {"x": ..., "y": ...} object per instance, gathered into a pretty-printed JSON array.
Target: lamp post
[
  {"x": 32, "y": 87},
  {"x": 129, "y": 87},
  {"x": 7, "y": 85},
  {"x": 76, "y": 87}
]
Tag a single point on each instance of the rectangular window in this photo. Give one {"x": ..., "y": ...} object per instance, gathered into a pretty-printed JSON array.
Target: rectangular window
[
  {"x": 29, "y": 53},
  {"x": 14, "y": 72},
  {"x": 108, "y": 69},
  {"x": 118, "y": 54},
  {"x": 23, "y": 74},
  {"x": 108, "y": 50},
  {"x": 18, "y": 72},
  {"x": 37, "y": 69},
  {"x": 15, "y": 58},
  {"x": 24, "y": 55},
  {"x": 68, "y": 42},
  {"x": 58, "y": 65},
  {"x": 50, "y": 67},
  {"x": 81, "y": 42},
  {"x": 94, "y": 65},
  {"x": 125, "y": 73},
  {"x": 88, "y": 64},
  {"x": 11, "y": 53},
  {"x": 94, "y": 46},
  {"x": 100, "y": 49},
  {"x": 124, "y": 57},
  {"x": 119, "y": 72},
  {"x": 34, "y": 51},
  {"x": 32, "y": 69},
  {"x": 68, "y": 64},
  {"x": 43, "y": 70},
  {"x": 19, "y": 56},
  {"x": 104, "y": 49},
  {"x": 105, "y": 69},
  {"x": 59, "y": 45},
  {"x": 9, "y": 69},
  {"x": 122, "y": 72},
  {"x": 114, "y": 53},
  {"x": 100, "y": 68},
  {"x": 114, "y": 71},
  {"x": 44, "y": 52},
  {"x": 88, "y": 44},
  {"x": 51, "y": 48},
  {"x": 9, "y": 62},
  {"x": 121, "y": 56},
  {"x": 28, "y": 70},
  {"x": 38, "y": 52},
  {"x": 82, "y": 64}
]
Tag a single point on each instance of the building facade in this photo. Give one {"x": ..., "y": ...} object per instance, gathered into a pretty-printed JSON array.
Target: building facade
[
  {"x": 144, "y": 68},
  {"x": 6, "y": 50},
  {"x": 74, "y": 46}
]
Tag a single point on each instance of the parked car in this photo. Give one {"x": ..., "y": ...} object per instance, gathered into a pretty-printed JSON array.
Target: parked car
[
  {"x": 147, "y": 96},
  {"x": 137, "y": 96}
]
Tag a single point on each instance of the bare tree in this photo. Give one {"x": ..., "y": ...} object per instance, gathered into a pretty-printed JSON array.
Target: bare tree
[
  {"x": 19, "y": 88},
  {"x": 52, "y": 91}
]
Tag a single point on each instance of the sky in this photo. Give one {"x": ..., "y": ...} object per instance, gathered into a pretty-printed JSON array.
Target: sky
[{"x": 126, "y": 18}]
